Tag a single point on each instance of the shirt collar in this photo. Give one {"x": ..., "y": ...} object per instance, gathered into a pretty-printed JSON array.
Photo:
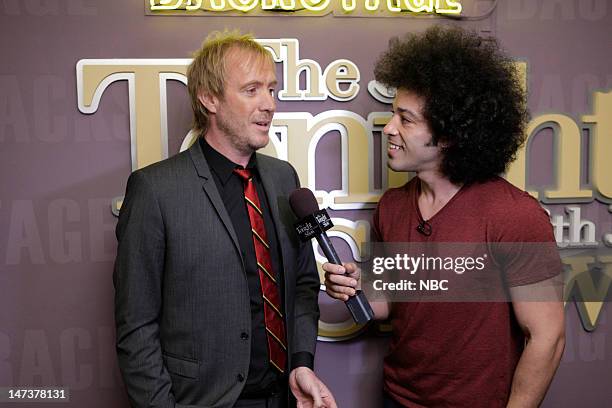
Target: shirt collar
[{"x": 221, "y": 165}]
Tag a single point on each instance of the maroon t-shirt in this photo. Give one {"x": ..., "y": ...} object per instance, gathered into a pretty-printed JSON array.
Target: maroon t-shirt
[{"x": 459, "y": 354}]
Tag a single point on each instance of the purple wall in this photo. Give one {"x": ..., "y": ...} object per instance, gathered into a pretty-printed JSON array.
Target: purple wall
[{"x": 59, "y": 170}]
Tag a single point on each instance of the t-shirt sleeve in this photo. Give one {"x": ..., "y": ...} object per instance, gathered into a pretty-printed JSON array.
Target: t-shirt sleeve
[{"x": 526, "y": 248}]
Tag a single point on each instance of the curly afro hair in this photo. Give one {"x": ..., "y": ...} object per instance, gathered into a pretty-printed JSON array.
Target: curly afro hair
[{"x": 474, "y": 102}]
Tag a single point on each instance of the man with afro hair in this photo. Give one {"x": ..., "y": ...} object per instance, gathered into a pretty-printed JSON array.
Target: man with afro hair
[{"x": 458, "y": 120}]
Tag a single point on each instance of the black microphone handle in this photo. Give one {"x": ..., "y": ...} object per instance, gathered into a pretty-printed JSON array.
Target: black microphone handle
[
  {"x": 358, "y": 305},
  {"x": 328, "y": 249}
]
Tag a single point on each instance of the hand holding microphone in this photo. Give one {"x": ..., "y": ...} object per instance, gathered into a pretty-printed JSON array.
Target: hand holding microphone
[
  {"x": 312, "y": 224},
  {"x": 341, "y": 281}
]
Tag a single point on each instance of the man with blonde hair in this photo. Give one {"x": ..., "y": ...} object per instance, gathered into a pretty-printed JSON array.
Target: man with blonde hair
[{"x": 216, "y": 298}]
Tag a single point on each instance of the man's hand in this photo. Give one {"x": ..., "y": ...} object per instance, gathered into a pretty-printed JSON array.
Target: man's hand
[
  {"x": 309, "y": 391},
  {"x": 341, "y": 281}
]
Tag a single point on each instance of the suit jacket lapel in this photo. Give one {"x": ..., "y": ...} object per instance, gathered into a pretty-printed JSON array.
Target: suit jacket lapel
[{"x": 208, "y": 184}]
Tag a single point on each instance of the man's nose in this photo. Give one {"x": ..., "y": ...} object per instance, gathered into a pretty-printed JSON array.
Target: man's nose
[
  {"x": 268, "y": 102},
  {"x": 390, "y": 128}
]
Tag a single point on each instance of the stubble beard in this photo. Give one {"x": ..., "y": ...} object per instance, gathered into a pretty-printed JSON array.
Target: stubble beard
[{"x": 237, "y": 136}]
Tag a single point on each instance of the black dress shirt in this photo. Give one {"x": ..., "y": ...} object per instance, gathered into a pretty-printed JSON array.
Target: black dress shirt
[{"x": 262, "y": 377}]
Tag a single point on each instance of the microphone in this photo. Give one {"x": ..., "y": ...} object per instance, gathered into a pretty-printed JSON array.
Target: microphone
[
  {"x": 424, "y": 227},
  {"x": 312, "y": 224}
]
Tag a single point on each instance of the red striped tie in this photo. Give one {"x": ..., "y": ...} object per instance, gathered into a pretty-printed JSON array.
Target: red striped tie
[{"x": 275, "y": 327}]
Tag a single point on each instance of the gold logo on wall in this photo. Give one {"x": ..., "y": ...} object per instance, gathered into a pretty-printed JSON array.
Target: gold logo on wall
[{"x": 295, "y": 136}]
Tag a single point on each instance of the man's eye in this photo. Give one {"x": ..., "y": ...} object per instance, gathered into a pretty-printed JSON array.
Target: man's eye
[
  {"x": 250, "y": 91},
  {"x": 271, "y": 90}
]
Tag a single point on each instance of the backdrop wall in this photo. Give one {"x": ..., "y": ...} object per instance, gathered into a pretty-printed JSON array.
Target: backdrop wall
[{"x": 66, "y": 153}]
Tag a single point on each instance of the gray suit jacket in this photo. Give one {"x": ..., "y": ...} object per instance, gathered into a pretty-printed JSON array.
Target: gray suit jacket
[{"x": 182, "y": 299}]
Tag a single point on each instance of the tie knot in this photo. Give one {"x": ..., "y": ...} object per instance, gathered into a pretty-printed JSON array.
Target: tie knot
[{"x": 245, "y": 174}]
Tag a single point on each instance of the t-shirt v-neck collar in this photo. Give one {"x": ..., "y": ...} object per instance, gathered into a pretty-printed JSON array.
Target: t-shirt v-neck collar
[{"x": 441, "y": 210}]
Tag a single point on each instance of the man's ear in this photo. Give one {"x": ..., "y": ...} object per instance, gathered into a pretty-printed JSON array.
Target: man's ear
[
  {"x": 437, "y": 142},
  {"x": 442, "y": 143},
  {"x": 209, "y": 101}
]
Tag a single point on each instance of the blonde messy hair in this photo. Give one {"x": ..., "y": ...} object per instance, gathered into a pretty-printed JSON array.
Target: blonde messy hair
[{"x": 207, "y": 71}]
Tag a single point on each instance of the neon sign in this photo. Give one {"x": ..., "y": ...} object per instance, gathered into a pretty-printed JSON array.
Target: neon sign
[{"x": 378, "y": 8}]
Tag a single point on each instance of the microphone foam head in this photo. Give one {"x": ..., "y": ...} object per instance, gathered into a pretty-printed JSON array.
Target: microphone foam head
[{"x": 303, "y": 202}]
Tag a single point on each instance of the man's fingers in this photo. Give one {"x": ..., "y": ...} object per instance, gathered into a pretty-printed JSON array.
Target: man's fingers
[
  {"x": 339, "y": 292},
  {"x": 316, "y": 399},
  {"x": 328, "y": 398},
  {"x": 310, "y": 386},
  {"x": 340, "y": 280},
  {"x": 340, "y": 286},
  {"x": 333, "y": 268},
  {"x": 352, "y": 270}
]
